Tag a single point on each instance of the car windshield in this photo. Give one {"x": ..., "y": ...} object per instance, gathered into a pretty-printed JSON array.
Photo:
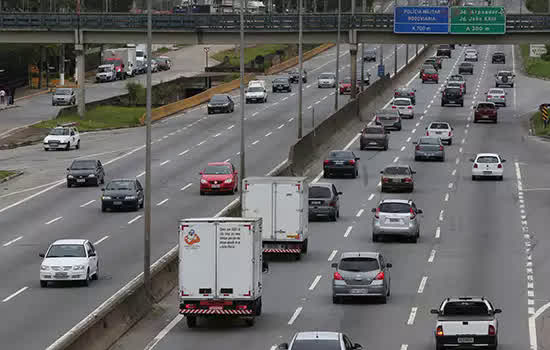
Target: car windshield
[
  {"x": 487, "y": 159},
  {"x": 496, "y": 92},
  {"x": 280, "y": 81},
  {"x": 465, "y": 308},
  {"x": 255, "y": 89},
  {"x": 359, "y": 264},
  {"x": 402, "y": 102},
  {"x": 319, "y": 192},
  {"x": 429, "y": 141},
  {"x": 346, "y": 81},
  {"x": 395, "y": 208},
  {"x": 316, "y": 344},
  {"x": 486, "y": 106},
  {"x": 430, "y": 71},
  {"x": 217, "y": 170},
  {"x": 508, "y": 74},
  {"x": 341, "y": 154},
  {"x": 140, "y": 54},
  {"x": 104, "y": 69},
  {"x": 396, "y": 170},
  {"x": 326, "y": 76},
  {"x": 120, "y": 186},
  {"x": 439, "y": 126},
  {"x": 60, "y": 131},
  {"x": 218, "y": 98},
  {"x": 63, "y": 91},
  {"x": 374, "y": 131},
  {"x": 66, "y": 251},
  {"x": 83, "y": 164}
]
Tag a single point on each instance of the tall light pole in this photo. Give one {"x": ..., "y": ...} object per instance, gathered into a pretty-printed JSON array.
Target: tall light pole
[
  {"x": 353, "y": 56},
  {"x": 300, "y": 65},
  {"x": 241, "y": 59},
  {"x": 394, "y": 47},
  {"x": 338, "y": 57},
  {"x": 147, "y": 199}
]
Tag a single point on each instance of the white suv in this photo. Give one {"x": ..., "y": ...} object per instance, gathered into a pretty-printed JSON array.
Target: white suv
[
  {"x": 320, "y": 340},
  {"x": 256, "y": 93},
  {"x": 471, "y": 55},
  {"x": 487, "y": 165},
  {"x": 404, "y": 106},
  {"x": 443, "y": 130}
]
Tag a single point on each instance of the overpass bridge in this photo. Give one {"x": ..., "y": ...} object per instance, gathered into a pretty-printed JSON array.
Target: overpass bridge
[{"x": 103, "y": 28}]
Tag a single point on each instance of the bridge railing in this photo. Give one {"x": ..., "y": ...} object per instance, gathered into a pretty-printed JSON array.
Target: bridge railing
[{"x": 231, "y": 22}]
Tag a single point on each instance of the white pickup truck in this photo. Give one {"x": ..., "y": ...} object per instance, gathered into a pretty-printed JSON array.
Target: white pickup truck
[{"x": 466, "y": 322}]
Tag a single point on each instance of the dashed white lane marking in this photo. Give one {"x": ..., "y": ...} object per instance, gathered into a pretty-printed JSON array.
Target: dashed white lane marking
[
  {"x": 134, "y": 219},
  {"x": 315, "y": 281},
  {"x": 8, "y": 243},
  {"x": 412, "y": 315},
  {"x": 425, "y": 112},
  {"x": 158, "y": 140},
  {"x": 421, "y": 117},
  {"x": 432, "y": 256},
  {"x": 310, "y": 107},
  {"x": 466, "y": 131},
  {"x": 54, "y": 220},
  {"x": 87, "y": 203},
  {"x": 317, "y": 102},
  {"x": 14, "y": 294},
  {"x": 438, "y": 232},
  {"x": 371, "y": 196},
  {"x": 441, "y": 215},
  {"x": 348, "y": 231},
  {"x": 284, "y": 98},
  {"x": 460, "y": 150},
  {"x": 422, "y": 285},
  {"x": 413, "y": 131},
  {"x": 165, "y": 162},
  {"x": 404, "y": 346},
  {"x": 269, "y": 133},
  {"x": 332, "y": 255},
  {"x": 255, "y": 114},
  {"x": 182, "y": 153},
  {"x": 165, "y": 137},
  {"x": 446, "y": 197},
  {"x": 450, "y": 185},
  {"x": 162, "y": 202},
  {"x": 453, "y": 172},
  {"x": 417, "y": 124},
  {"x": 291, "y": 119},
  {"x": 395, "y": 159},
  {"x": 201, "y": 143},
  {"x": 255, "y": 142},
  {"x": 360, "y": 212},
  {"x": 141, "y": 174},
  {"x": 101, "y": 240},
  {"x": 186, "y": 187},
  {"x": 280, "y": 126},
  {"x": 462, "y": 141},
  {"x": 457, "y": 160},
  {"x": 218, "y": 134},
  {"x": 230, "y": 126},
  {"x": 295, "y": 315},
  {"x": 408, "y": 139}
]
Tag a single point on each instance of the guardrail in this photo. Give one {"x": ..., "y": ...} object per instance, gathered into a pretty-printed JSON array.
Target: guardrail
[{"x": 228, "y": 22}]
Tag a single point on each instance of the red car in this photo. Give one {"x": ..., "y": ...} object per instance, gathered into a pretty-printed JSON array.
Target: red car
[
  {"x": 485, "y": 111},
  {"x": 219, "y": 177},
  {"x": 345, "y": 86},
  {"x": 429, "y": 75}
]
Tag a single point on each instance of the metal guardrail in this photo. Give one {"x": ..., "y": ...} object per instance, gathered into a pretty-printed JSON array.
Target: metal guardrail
[{"x": 228, "y": 22}]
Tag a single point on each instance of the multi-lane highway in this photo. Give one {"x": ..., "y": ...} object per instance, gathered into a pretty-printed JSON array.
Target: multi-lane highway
[
  {"x": 472, "y": 238},
  {"x": 39, "y": 208}
]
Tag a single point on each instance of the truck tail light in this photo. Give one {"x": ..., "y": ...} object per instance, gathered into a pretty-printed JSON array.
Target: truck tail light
[
  {"x": 492, "y": 330},
  {"x": 241, "y": 307},
  {"x": 337, "y": 276},
  {"x": 439, "y": 331},
  {"x": 190, "y": 306},
  {"x": 379, "y": 276}
]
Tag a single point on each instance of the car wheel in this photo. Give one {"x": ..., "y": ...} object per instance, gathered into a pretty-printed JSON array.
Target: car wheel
[
  {"x": 68, "y": 146},
  {"x": 103, "y": 180},
  {"x": 191, "y": 321},
  {"x": 511, "y": 85},
  {"x": 462, "y": 104},
  {"x": 384, "y": 299},
  {"x": 442, "y": 159},
  {"x": 336, "y": 300},
  {"x": 437, "y": 81},
  {"x": 332, "y": 217},
  {"x": 500, "y": 178},
  {"x": 382, "y": 189},
  {"x": 43, "y": 284},
  {"x": 414, "y": 239},
  {"x": 338, "y": 213},
  {"x": 496, "y": 85},
  {"x": 496, "y": 121},
  {"x": 375, "y": 238},
  {"x": 46, "y": 149},
  {"x": 103, "y": 208},
  {"x": 201, "y": 193},
  {"x": 450, "y": 142},
  {"x": 474, "y": 178},
  {"x": 442, "y": 104},
  {"x": 209, "y": 112},
  {"x": 86, "y": 282},
  {"x": 475, "y": 120},
  {"x": 95, "y": 276},
  {"x": 422, "y": 81},
  {"x": 325, "y": 174},
  {"x": 399, "y": 128},
  {"x": 386, "y": 147},
  {"x": 136, "y": 206},
  {"x": 411, "y": 189},
  {"x": 78, "y": 145},
  {"x": 68, "y": 184}
]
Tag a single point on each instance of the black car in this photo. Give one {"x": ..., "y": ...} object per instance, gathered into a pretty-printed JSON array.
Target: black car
[
  {"x": 222, "y": 103},
  {"x": 341, "y": 162},
  {"x": 498, "y": 57},
  {"x": 281, "y": 84},
  {"x": 466, "y": 67},
  {"x": 122, "y": 194},
  {"x": 294, "y": 76},
  {"x": 452, "y": 95},
  {"x": 406, "y": 92},
  {"x": 389, "y": 119},
  {"x": 85, "y": 172},
  {"x": 444, "y": 50},
  {"x": 369, "y": 55},
  {"x": 141, "y": 67},
  {"x": 452, "y": 46}
]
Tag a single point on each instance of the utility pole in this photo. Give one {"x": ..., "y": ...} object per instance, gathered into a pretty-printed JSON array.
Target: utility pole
[
  {"x": 353, "y": 56},
  {"x": 362, "y": 64},
  {"x": 147, "y": 199},
  {"x": 241, "y": 61},
  {"x": 336, "y": 93},
  {"x": 62, "y": 64},
  {"x": 394, "y": 47},
  {"x": 301, "y": 69}
]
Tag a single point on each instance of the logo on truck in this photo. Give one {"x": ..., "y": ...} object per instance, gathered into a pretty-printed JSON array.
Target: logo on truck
[{"x": 191, "y": 238}]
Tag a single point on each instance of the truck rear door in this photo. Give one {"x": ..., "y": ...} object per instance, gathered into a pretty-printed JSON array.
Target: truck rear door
[
  {"x": 258, "y": 203},
  {"x": 287, "y": 210},
  {"x": 465, "y": 327}
]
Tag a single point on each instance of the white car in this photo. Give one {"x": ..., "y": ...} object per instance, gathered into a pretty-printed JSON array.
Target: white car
[
  {"x": 404, "y": 106},
  {"x": 326, "y": 80},
  {"x": 256, "y": 93},
  {"x": 471, "y": 55},
  {"x": 487, "y": 165},
  {"x": 62, "y": 137},
  {"x": 69, "y": 260},
  {"x": 497, "y": 96},
  {"x": 443, "y": 130}
]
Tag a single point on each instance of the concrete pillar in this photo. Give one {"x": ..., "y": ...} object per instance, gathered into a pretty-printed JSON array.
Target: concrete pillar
[
  {"x": 42, "y": 62},
  {"x": 80, "y": 73},
  {"x": 406, "y": 53},
  {"x": 62, "y": 64}
]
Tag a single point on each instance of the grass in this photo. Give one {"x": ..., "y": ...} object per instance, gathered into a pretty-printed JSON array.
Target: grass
[
  {"x": 534, "y": 66},
  {"x": 250, "y": 53},
  {"x": 102, "y": 117},
  {"x": 538, "y": 125},
  {"x": 6, "y": 173},
  {"x": 162, "y": 50},
  {"x": 231, "y": 77},
  {"x": 537, "y": 6}
]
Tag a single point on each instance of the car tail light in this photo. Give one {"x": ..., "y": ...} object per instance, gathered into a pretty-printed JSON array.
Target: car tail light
[
  {"x": 190, "y": 306},
  {"x": 338, "y": 276},
  {"x": 441, "y": 148},
  {"x": 377, "y": 213},
  {"x": 424, "y": 75},
  {"x": 500, "y": 166},
  {"x": 427, "y": 133},
  {"x": 385, "y": 180},
  {"x": 393, "y": 107},
  {"x": 379, "y": 276},
  {"x": 378, "y": 119},
  {"x": 241, "y": 307},
  {"x": 412, "y": 93},
  {"x": 490, "y": 96},
  {"x": 327, "y": 162},
  {"x": 408, "y": 179},
  {"x": 410, "y": 107},
  {"x": 449, "y": 133},
  {"x": 439, "y": 331},
  {"x": 332, "y": 203},
  {"x": 475, "y": 165},
  {"x": 413, "y": 214},
  {"x": 492, "y": 330},
  {"x": 396, "y": 94},
  {"x": 352, "y": 162},
  {"x": 418, "y": 147}
]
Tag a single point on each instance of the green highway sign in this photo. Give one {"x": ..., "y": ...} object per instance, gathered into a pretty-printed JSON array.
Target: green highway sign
[{"x": 477, "y": 20}]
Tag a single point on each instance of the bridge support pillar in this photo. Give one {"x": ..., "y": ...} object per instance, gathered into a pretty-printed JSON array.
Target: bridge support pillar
[{"x": 80, "y": 78}]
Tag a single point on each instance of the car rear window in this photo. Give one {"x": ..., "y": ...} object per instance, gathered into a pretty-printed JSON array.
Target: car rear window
[
  {"x": 374, "y": 131},
  {"x": 395, "y": 208},
  {"x": 83, "y": 164},
  {"x": 452, "y": 91},
  {"x": 439, "y": 126},
  {"x": 397, "y": 170},
  {"x": 487, "y": 159},
  {"x": 359, "y": 264},
  {"x": 120, "y": 185},
  {"x": 280, "y": 81},
  {"x": 465, "y": 308},
  {"x": 508, "y": 74},
  {"x": 316, "y": 344},
  {"x": 387, "y": 117},
  {"x": 219, "y": 98},
  {"x": 430, "y": 71},
  {"x": 466, "y": 64},
  {"x": 429, "y": 141},
  {"x": 486, "y": 106},
  {"x": 319, "y": 192},
  {"x": 340, "y": 154},
  {"x": 401, "y": 102}
]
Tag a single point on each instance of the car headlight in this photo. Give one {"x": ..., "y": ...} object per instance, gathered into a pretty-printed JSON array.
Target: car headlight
[
  {"x": 91, "y": 175},
  {"x": 70, "y": 177},
  {"x": 203, "y": 181},
  {"x": 130, "y": 197},
  {"x": 79, "y": 267},
  {"x": 228, "y": 181},
  {"x": 44, "y": 268},
  {"x": 106, "y": 197}
]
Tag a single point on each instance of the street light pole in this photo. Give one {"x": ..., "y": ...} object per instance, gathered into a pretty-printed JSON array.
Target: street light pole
[
  {"x": 241, "y": 59},
  {"x": 300, "y": 65},
  {"x": 147, "y": 199},
  {"x": 353, "y": 56},
  {"x": 338, "y": 57},
  {"x": 206, "y": 49}
]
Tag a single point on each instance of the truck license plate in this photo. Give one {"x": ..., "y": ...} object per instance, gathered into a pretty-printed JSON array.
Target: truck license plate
[
  {"x": 468, "y": 340},
  {"x": 358, "y": 291},
  {"x": 215, "y": 307}
]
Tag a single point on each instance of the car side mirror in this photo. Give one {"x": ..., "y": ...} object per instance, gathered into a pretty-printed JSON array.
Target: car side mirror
[
  {"x": 283, "y": 346},
  {"x": 498, "y": 311},
  {"x": 67, "y": 169},
  {"x": 200, "y": 173},
  {"x": 373, "y": 210},
  {"x": 414, "y": 172},
  {"x": 419, "y": 211},
  {"x": 389, "y": 265},
  {"x": 434, "y": 311},
  {"x": 452, "y": 128},
  {"x": 471, "y": 159},
  {"x": 485, "y": 93},
  {"x": 503, "y": 161},
  {"x": 41, "y": 255},
  {"x": 357, "y": 346},
  {"x": 340, "y": 193},
  {"x": 265, "y": 267},
  {"x": 103, "y": 189},
  {"x": 381, "y": 171},
  {"x": 357, "y": 158},
  {"x": 335, "y": 265}
]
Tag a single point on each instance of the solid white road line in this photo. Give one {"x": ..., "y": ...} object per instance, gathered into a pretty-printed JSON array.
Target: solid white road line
[
  {"x": 186, "y": 187},
  {"x": 315, "y": 281},
  {"x": 12, "y": 241},
  {"x": 352, "y": 141},
  {"x": 32, "y": 196},
  {"x": 165, "y": 162},
  {"x": 332, "y": 255},
  {"x": 164, "y": 332},
  {"x": 412, "y": 316},
  {"x": 134, "y": 219},
  {"x": 101, "y": 240},
  {"x": 360, "y": 212},
  {"x": 432, "y": 256},
  {"x": 162, "y": 202},
  {"x": 201, "y": 143},
  {"x": 182, "y": 153},
  {"x": 54, "y": 220},
  {"x": 15, "y": 294},
  {"x": 295, "y": 315},
  {"x": 348, "y": 231},
  {"x": 422, "y": 284},
  {"x": 87, "y": 203}
]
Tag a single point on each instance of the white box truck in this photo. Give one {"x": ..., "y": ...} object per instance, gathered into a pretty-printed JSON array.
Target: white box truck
[
  {"x": 282, "y": 203},
  {"x": 124, "y": 60},
  {"x": 220, "y": 268}
]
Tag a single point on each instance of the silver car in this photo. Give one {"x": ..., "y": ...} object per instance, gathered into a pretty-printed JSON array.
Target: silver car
[
  {"x": 497, "y": 96},
  {"x": 361, "y": 274},
  {"x": 397, "y": 177},
  {"x": 396, "y": 217},
  {"x": 504, "y": 77},
  {"x": 63, "y": 96},
  {"x": 326, "y": 80},
  {"x": 429, "y": 147},
  {"x": 324, "y": 200}
]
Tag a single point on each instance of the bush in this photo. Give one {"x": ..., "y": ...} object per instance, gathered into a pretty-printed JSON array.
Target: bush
[
  {"x": 136, "y": 93},
  {"x": 537, "y": 6}
]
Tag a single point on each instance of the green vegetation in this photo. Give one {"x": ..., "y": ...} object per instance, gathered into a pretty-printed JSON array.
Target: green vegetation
[
  {"x": 538, "y": 125},
  {"x": 231, "y": 77},
  {"x": 534, "y": 66},
  {"x": 163, "y": 50},
  {"x": 250, "y": 53},
  {"x": 537, "y": 6},
  {"x": 6, "y": 173},
  {"x": 101, "y": 117}
]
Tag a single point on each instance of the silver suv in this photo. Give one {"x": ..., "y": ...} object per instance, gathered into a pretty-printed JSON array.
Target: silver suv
[
  {"x": 396, "y": 217},
  {"x": 320, "y": 340},
  {"x": 504, "y": 77},
  {"x": 361, "y": 275}
]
